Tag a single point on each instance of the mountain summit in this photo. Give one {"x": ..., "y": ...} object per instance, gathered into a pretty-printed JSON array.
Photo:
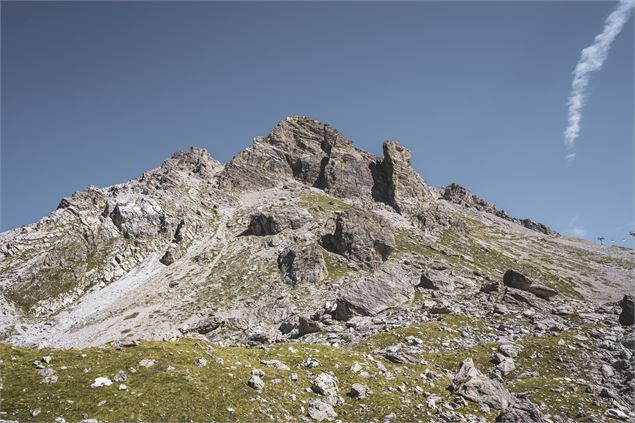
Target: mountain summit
[{"x": 303, "y": 238}]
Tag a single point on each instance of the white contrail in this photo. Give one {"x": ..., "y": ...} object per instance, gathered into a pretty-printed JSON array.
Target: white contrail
[{"x": 591, "y": 60}]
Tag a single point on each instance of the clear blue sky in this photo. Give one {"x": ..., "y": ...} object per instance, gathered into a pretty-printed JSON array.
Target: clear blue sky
[{"x": 96, "y": 93}]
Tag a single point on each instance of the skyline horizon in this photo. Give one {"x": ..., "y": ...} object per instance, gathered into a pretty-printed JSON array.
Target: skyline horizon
[{"x": 477, "y": 91}]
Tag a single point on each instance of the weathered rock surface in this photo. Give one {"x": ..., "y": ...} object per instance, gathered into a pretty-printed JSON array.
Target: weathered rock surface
[
  {"x": 302, "y": 265},
  {"x": 387, "y": 287},
  {"x": 276, "y": 219},
  {"x": 361, "y": 236}
]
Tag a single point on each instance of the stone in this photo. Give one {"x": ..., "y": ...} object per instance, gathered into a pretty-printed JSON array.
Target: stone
[
  {"x": 362, "y": 236},
  {"x": 306, "y": 326},
  {"x": 256, "y": 382},
  {"x": 627, "y": 316},
  {"x": 436, "y": 280},
  {"x": 101, "y": 382},
  {"x": 302, "y": 265},
  {"x": 279, "y": 365},
  {"x": 146, "y": 362},
  {"x": 319, "y": 410},
  {"x": 356, "y": 367},
  {"x": 120, "y": 376},
  {"x": 517, "y": 280},
  {"x": 510, "y": 350},
  {"x": 521, "y": 411},
  {"x": 359, "y": 391},
  {"x": 473, "y": 385},
  {"x": 614, "y": 413},
  {"x": 201, "y": 362},
  {"x": 325, "y": 384}
]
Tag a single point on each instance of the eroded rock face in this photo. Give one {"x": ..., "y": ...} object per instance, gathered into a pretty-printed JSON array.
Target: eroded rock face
[
  {"x": 627, "y": 316},
  {"x": 302, "y": 265},
  {"x": 473, "y": 385},
  {"x": 361, "y": 236},
  {"x": 517, "y": 280},
  {"x": 404, "y": 187},
  {"x": 274, "y": 220}
]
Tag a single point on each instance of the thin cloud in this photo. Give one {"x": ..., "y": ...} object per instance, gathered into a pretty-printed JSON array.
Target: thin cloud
[{"x": 591, "y": 60}]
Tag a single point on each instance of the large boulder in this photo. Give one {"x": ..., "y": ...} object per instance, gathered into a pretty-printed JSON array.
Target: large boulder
[
  {"x": 274, "y": 220},
  {"x": 388, "y": 287},
  {"x": 437, "y": 280},
  {"x": 361, "y": 236},
  {"x": 517, "y": 280},
  {"x": 302, "y": 265},
  {"x": 473, "y": 385},
  {"x": 627, "y": 316}
]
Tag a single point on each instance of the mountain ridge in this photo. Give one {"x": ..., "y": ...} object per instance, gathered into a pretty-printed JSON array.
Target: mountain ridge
[{"x": 303, "y": 242}]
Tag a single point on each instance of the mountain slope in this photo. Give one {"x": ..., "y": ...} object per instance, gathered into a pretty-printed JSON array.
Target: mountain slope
[{"x": 301, "y": 237}]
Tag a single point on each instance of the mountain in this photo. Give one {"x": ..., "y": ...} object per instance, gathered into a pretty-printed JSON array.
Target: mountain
[{"x": 304, "y": 243}]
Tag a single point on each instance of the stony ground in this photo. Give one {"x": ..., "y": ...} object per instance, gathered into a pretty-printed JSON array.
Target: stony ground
[{"x": 380, "y": 297}]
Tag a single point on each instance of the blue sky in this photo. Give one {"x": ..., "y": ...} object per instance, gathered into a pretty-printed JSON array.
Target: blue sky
[{"x": 96, "y": 93}]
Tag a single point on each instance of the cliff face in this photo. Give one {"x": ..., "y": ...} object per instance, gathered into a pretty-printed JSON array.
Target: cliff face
[{"x": 301, "y": 236}]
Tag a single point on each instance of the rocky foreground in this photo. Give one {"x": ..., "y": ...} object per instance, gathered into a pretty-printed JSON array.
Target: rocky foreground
[{"x": 308, "y": 280}]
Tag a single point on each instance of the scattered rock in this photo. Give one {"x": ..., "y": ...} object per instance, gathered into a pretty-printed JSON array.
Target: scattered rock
[
  {"x": 201, "y": 362},
  {"x": 146, "y": 362},
  {"x": 101, "y": 382}
]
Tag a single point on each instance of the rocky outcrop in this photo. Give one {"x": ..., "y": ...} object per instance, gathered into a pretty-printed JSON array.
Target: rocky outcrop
[
  {"x": 308, "y": 151},
  {"x": 404, "y": 188},
  {"x": 386, "y": 288},
  {"x": 361, "y": 236},
  {"x": 517, "y": 280},
  {"x": 274, "y": 220},
  {"x": 627, "y": 316},
  {"x": 457, "y": 194}
]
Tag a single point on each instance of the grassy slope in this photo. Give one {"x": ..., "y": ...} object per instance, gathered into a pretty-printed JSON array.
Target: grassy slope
[{"x": 191, "y": 393}]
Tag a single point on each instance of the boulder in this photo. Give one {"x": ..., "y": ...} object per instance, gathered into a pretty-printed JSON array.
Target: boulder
[
  {"x": 517, "y": 280},
  {"x": 319, "y": 410},
  {"x": 359, "y": 391},
  {"x": 627, "y": 316},
  {"x": 437, "y": 280},
  {"x": 306, "y": 326},
  {"x": 473, "y": 385},
  {"x": 521, "y": 411},
  {"x": 362, "y": 236},
  {"x": 388, "y": 287},
  {"x": 325, "y": 384},
  {"x": 302, "y": 265}
]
